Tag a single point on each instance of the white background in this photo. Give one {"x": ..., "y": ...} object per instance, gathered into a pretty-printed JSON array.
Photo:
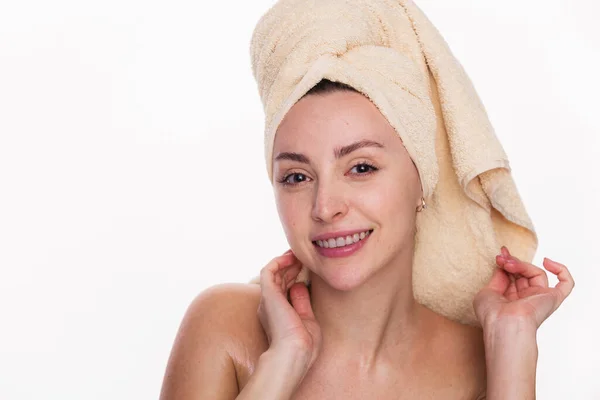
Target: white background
[{"x": 132, "y": 176}]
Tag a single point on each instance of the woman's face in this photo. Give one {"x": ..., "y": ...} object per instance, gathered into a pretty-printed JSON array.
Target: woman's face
[{"x": 341, "y": 171}]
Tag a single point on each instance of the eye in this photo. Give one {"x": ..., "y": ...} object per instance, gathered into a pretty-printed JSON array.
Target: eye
[
  {"x": 363, "y": 168},
  {"x": 293, "y": 179}
]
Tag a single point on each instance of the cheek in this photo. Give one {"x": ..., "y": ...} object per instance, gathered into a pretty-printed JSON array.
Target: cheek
[
  {"x": 384, "y": 197},
  {"x": 292, "y": 213},
  {"x": 390, "y": 202}
]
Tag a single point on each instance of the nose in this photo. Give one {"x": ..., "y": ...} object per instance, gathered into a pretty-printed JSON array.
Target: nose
[{"x": 329, "y": 203}]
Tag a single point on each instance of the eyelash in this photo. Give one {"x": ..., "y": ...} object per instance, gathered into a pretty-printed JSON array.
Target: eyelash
[{"x": 373, "y": 169}]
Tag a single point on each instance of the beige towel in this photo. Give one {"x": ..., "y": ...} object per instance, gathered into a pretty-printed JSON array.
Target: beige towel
[{"x": 390, "y": 51}]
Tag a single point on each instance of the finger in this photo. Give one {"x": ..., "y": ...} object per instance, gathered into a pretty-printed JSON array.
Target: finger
[
  {"x": 285, "y": 277},
  {"x": 522, "y": 283},
  {"x": 535, "y": 275},
  {"x": 506, "y": 257},
  {"x": 501, "y": 260},
  {"x": 511, "y": 292},
  {"x": 565, "y": 280},
  {"x": 499, "y": 281},
  {"x": 510, "y": 288},
  {"x": 289, "y": 277},
  {"x": 300, "y": 298},
  {"x": 269, "y": 276}
]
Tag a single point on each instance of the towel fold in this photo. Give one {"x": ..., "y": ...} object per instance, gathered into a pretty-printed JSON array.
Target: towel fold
[{"x": 389, "y": 51}]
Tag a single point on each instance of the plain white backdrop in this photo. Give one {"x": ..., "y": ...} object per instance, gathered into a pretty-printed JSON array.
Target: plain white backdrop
[{"x": 132, "y": 176}]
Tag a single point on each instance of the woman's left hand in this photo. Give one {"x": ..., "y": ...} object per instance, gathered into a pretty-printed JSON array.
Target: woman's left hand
[{"x": 519, "y": 291}]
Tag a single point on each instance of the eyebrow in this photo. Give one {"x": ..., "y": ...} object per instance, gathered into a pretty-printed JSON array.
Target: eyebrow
[{"x": 338, "y": 152}]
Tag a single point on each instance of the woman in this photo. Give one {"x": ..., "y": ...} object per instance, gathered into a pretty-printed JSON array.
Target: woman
[{"x": 350, "y": 190}]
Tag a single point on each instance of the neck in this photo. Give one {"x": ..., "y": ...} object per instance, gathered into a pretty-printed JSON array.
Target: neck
[{"x": 377, "y": 320}]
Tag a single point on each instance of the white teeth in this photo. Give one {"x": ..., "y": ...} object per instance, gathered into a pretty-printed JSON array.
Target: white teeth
[{"x": 342, "y": 241}]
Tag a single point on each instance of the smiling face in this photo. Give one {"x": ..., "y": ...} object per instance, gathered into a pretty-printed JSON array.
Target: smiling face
[{"x": 339, "y": 169}]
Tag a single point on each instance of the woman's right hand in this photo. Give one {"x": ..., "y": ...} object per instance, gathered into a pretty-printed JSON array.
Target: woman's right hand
[{"x": 291, "y": 328}]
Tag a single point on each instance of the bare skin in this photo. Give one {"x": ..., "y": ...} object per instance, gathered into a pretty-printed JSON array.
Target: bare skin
[
  {"x": 448, "y": 359},
  {"x": 361, "y": 334},
  {"x": 340, "y": 166}
]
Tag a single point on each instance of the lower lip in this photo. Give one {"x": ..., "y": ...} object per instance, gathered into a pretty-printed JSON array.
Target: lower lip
[{"x": 344, "y": 251}]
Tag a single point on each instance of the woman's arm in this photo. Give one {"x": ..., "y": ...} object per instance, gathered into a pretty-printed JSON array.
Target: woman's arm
[
  {"x": 510, "y": 308},
  {"x": 511, "y": 358}
]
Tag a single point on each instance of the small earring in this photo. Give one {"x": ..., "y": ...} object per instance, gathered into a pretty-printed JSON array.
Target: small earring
[{"x": 422, "y": 206}]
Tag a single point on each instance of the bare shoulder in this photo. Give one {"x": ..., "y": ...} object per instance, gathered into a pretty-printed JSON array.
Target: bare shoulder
[
  {"x": 219, "y": 339},
  {"x": 229, "y": 306},
  {"x": 229, "y": 312}
]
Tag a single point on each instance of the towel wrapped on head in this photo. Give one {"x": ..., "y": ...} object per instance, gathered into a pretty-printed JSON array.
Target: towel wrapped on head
[{"x": 389, "y": 51}]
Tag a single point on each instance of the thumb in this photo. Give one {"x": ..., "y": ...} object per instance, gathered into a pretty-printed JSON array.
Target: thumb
[
  {"x": 301, "y": 301},
  {"x": 499, "y": 281}
]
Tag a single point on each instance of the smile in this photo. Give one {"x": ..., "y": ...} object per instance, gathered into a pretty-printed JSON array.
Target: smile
[{"x": 342, "y": 241}]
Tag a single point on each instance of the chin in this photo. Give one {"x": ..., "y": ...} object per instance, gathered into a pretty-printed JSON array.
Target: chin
[{"x": 343, "y": 277}]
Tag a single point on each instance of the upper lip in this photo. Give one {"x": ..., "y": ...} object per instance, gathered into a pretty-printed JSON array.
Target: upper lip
[{"x": 338, "y": 234}]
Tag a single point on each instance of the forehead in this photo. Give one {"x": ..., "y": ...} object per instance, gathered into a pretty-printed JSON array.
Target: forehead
[{"x": 332, "y": 119}]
